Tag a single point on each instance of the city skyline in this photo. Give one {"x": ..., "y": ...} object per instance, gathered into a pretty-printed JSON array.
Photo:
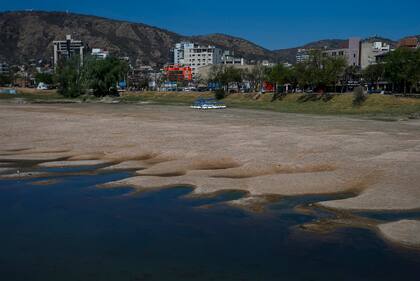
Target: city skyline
[{"x": 272, "y": 25}]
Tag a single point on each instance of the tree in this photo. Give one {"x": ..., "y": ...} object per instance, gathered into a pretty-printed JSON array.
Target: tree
[
  {"x": 401, "y": 68},
  {"x": 44, "y": 78},
  {"x": 102, "y": 76},
  {"x": 70, "y": 78},
  {"x": 5, "y": 79},
  {"x": 225, "y": 75},
  {"x": 374, "y": 73},
  {"x": 320, "y": 71}
]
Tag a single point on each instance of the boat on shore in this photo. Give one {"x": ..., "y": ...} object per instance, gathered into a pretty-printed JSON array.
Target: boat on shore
[{"x": 208, "y": 104}]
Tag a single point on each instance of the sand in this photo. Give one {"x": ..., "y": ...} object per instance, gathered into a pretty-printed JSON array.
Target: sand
[
  {"x": 406, "y": 232},
  {"x": 260, "y": 152}
]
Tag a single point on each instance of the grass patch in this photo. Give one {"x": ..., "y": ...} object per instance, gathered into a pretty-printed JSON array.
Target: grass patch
[
  {"x": 336, "y": 104},
  {"x": 184, "y": 98},
  {"x": 381, "y": 107}
]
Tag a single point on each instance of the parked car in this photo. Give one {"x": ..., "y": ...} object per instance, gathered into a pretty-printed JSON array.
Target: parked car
[{"x": 42, "y": 86}]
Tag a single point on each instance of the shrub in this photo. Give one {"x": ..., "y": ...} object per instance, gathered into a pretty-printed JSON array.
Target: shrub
[
  {"x": 220, "y": 94},
  {"x": 359, "y": 96}
]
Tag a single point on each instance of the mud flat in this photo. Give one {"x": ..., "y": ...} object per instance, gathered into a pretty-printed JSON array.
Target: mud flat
[{"x": 261, "y": 153}]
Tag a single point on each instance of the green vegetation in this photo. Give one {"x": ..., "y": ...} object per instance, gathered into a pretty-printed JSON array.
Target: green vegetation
[
  {"x": 69, "y": 77},
  {"x": 402, "y": 69},
  {"x": 102, "y": 76},
  {"x": 99, "y": 76},
  {"x": 320, "y": 73},
  {"x": 359, "y": 96},
  {"x": 383, "y": 106},
  {"x": 373, "y": 105},
  {"x": 44, "y": 78}
]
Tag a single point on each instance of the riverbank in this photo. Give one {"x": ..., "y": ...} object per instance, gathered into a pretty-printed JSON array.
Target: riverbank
[
  {"x": 258, "y": 152},
  {"x": 381, "y": 106}
]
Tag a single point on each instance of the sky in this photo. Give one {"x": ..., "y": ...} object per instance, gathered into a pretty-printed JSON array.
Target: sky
[{"x": 269, "y": 23}]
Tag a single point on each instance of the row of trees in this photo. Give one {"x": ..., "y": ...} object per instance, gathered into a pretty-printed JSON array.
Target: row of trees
[{"x": 400, "y": 68}]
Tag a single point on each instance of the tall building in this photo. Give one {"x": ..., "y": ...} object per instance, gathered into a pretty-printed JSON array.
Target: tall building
[
  {"x": 371, "y": 51},
  {"x": 196, "y": 56},
  {"x": 68, "y": 48},
  {"x": 351, "y": 52}
]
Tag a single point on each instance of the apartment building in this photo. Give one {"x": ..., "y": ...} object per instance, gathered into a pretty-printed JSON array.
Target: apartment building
[
  {"x": 68, "y": 48},
  {"x": 196, "y": 56},
  {"x": 371, "y": 51}
]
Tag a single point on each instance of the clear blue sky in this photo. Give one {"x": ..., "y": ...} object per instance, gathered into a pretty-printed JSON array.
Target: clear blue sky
[{"x": 269, "y": 23}]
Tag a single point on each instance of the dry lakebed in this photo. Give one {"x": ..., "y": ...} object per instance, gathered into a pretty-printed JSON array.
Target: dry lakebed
[{"x": 265, "y": 154}]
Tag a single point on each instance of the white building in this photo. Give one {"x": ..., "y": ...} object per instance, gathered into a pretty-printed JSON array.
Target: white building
[
  {"x": 196, "y": 56},
  {"x": 371, "y": 50},
  {"x": 99, "y": 53},
  {"x": 302, "y": 55},
  {"x": 67, "y": 48},
  {"x": 229, "y": 58}
]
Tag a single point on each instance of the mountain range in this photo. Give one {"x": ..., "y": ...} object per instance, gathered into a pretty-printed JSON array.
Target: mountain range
[{"x": 26, "y": 35}]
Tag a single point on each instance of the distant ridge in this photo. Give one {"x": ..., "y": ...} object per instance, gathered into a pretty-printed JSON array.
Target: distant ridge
[{"x": 28, "y": 35}]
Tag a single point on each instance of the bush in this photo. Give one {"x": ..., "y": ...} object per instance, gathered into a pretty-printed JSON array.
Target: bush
[
  {"x": 359, "y": 96},
  {"x": 220, "y": 94}
]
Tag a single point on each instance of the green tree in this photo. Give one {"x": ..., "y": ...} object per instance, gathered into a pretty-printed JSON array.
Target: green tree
[
  {"x": 401, "y": 68},
  {"x": 321, "y": 71},
  {"x": 102, "y": 76},
  {"x": 5, "y": 79},
  {"x": 44, "y": 78},
  {"x": 374, "y": 73},
  {"x": 226, "y": 75},
  {"x": 69, "y": 77}
]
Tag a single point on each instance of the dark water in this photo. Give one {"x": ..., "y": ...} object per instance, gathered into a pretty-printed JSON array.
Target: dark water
[{"x": 71, "y": 230}]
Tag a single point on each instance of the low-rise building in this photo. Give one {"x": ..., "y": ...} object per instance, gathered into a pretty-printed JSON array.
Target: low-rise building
[
  {"x": 229, "y": 58},
  {"x": 351, "y": 52},
  {"x": 178, "y": 72},
  {"x": 409, "y": 42},
  {"x": 99, "y": 53},
  {"x": 68, "y": 48}
]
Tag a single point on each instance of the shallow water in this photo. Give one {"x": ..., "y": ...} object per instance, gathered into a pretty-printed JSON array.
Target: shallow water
[{"x": 70, "y": 230}]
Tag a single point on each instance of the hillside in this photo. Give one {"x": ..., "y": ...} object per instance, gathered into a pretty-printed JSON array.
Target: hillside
[{"x": 29, "y": 35}]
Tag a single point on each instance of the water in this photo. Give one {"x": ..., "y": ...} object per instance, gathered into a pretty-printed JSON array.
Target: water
[{"x": 70, "y": 230}]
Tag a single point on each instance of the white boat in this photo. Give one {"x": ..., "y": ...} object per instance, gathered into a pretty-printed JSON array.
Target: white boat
[{"x": 208, "y": 104}]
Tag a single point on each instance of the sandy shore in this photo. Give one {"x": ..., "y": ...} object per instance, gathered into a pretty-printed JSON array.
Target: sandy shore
[{"x": 262, "y": 153}]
